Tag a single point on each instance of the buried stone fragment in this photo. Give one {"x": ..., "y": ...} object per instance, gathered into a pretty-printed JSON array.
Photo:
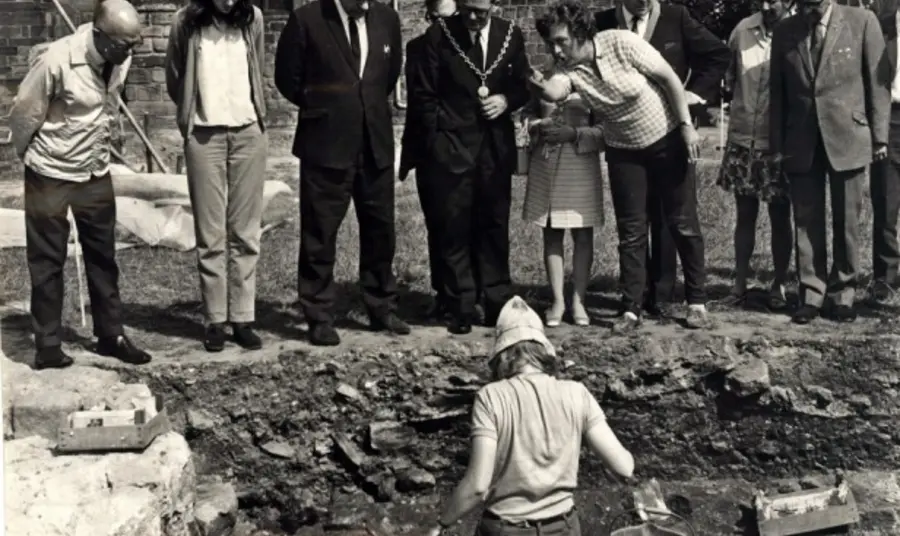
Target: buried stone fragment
[
  {"x": 388, "y": 436},
  {"x": 278, "y": 449},
  {"x": 215, "y": 508},
  {"x": 749, "y": 378}
]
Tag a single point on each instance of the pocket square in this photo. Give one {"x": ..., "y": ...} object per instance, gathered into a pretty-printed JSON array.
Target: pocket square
[
  {"x": 387, "y": 49},
  {"x": 667, "y": 46}
]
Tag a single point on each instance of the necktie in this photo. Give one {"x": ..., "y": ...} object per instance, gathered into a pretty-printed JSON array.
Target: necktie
[
  {"x": 107, "y": 72},
  {"x": 634, "y": 24},
  {"x": 816, "y": 39},
  {"x": 354, "y": 42},
  {"x": 477, "y": 50}
]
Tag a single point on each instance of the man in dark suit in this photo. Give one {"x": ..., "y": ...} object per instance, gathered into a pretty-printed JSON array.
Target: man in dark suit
[
  {"x": 830, "y": 107},
  {"x": 413, "y": 154},
  {"x": 884, "y": 186},
  {"x": 338, "y": 61},
  {"x": 700, "y": 59},
  {"x": 472, "y": 77}
]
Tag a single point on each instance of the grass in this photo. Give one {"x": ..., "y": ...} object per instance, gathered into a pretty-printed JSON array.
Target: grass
[{"x": 160, "y": 287}]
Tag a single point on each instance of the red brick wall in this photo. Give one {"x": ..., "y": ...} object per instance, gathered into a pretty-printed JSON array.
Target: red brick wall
[{"x": 28, "y": 22}]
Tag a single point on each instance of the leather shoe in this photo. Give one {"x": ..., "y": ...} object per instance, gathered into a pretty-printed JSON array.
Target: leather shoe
[
  {"x": 390, "y": 323},
  {"x": 841, "y": 313},
  {"x": 51, "y": 357},
  {"x": 805, "y": 314},
  {"x": 460, "y": 325},
  {"x": 214, "y": 338},
  {"x": 323, "y": 335},
  {"x": 245, "y": 337},
  {"x": 122, "y": 349}
]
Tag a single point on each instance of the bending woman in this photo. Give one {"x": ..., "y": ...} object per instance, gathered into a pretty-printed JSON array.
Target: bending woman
[
  {"x": 527, "y": 429},
  {"x": 651, "y": 144},
  {"x": 214, "y": 66}
]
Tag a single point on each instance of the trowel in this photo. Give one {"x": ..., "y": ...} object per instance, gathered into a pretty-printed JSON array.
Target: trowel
[{"x": 656, "y": 517}]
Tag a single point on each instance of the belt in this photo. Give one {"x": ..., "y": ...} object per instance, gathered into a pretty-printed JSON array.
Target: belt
[{"x": 529, "y": 523}]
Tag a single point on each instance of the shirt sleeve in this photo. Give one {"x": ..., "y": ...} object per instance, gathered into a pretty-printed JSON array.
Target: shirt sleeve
[
  {"x": 29, "y": 109},
  {"x": 639, "y": 54},
  {"x": 593, "y": 414},
  {"x": 483, "y": 422}
]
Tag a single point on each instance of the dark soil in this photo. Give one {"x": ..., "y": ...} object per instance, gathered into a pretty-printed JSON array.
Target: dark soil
[{"x": 293, "y": 432}]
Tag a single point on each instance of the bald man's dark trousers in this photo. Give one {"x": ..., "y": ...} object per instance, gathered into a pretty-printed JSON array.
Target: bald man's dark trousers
[{"x": 93, "y": 204}]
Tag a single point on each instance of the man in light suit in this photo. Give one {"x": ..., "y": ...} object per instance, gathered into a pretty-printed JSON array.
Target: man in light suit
[{"x": 830, "y": 107}]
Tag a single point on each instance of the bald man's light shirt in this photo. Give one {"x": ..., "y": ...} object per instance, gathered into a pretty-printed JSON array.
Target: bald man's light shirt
[{"x": 61, "y": 116}]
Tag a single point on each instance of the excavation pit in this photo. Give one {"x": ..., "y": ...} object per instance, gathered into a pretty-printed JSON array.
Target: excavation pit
[{"x": 375, "y": 432}]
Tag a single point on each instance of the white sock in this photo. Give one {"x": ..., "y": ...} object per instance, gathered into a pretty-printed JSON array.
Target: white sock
[
  {"x": 697, "y": 307},
  {"x": 630, "y": 316}
]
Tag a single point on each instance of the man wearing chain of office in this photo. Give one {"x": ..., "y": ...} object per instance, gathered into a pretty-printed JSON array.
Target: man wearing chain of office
[{"x": 472, "y": 77}]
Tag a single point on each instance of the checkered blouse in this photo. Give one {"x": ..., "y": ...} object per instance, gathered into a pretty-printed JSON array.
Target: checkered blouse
[{"x": 632, "y": 109}]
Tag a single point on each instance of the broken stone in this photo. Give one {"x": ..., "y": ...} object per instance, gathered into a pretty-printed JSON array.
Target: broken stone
[
  {"x": 200, "y": 421},
  {"x": 464, "y": 378},
  {"x": 348, "y": 392},
  {"x": 330, "y": 367},
  {"x": 720, "y": 447},
  {"x": 814, "y": 482},
  {"x": 859, "y": 401},
  {"x": 435, "y": 463},
  {"x": 322, "y": 448},
  {"x": 749, "y": 378},
  {"x": 278, "y": 449},
  {"x": 412, "y": 480},
  {"x": 823, "y": 397},
  {"x": 350, "y": 450},
  {"x": 388, "y": 436},
  {"x": 215, "y": 509}
]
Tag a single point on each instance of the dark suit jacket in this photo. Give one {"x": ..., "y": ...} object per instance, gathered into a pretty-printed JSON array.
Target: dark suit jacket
[
  {"x": 846, "y": 101},
  {"x": 688, "y": 46},
  {"x": 339, "y": 112},
  {"x": 413, "y": 146},
  {"x": 446, "y": 90}
]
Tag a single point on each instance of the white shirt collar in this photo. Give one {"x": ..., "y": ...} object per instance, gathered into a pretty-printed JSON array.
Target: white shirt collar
[
  {"x": 482, "y": 33},
  {"x": 345, "y": 18}
]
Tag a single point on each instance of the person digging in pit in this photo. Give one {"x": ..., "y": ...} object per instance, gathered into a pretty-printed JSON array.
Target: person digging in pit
[{"x": 527, "y": 430}]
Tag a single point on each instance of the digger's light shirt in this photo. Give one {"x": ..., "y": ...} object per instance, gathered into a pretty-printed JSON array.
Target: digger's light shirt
[
  {"x": 61, "y": 116},
  {"x": 538, "y": 422}
]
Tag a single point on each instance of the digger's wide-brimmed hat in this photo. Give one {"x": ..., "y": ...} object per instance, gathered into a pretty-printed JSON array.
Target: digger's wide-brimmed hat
[{"x": 517, "y": 323}]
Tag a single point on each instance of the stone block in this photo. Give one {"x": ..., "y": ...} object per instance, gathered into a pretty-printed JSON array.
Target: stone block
[
  {"x": 121, "y": 494},
  {"x": 215, "y": 510}
]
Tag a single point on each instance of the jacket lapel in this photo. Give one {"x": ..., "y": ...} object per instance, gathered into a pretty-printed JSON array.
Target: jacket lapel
[
  {"x": 333, "y": 20},
  {"x": 802, "y": 45},
  {"x": 833, "y": 33},
  {"x": 652, "y": 20},
  {"x": 375, "y": 42},
  {"x": 496, "y": 36}
]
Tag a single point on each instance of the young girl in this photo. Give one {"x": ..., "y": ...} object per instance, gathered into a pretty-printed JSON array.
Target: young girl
[
  {"x": 565, "y": 191},
  {"x": 527, "y": 429}
]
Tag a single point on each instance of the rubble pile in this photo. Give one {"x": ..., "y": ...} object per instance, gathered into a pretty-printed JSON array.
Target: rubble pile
[{"x": 303, "y": 434}]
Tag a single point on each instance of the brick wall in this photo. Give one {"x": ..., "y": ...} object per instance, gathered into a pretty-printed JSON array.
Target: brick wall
[{"x": 28, "y": 22}]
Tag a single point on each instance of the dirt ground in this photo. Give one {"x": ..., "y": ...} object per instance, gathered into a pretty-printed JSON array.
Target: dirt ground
[{"x": 375, "y": 431}]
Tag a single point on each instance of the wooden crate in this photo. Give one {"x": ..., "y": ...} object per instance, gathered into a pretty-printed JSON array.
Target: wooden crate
[
  {"x": 827, "y": 515},
  {"x": 110, "y": 431}
]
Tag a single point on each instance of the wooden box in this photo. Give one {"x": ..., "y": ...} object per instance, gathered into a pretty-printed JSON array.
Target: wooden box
[
  {"x": 109, "y": 431},
  {"x": 806, "y": 511}
]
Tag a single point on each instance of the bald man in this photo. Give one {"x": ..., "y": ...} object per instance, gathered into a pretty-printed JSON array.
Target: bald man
[{"x": 60, "y": 128}]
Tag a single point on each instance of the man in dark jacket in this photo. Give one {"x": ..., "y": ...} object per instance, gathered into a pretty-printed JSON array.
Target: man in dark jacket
[
  {"x": 414, "y": 154},
  {"x": 700, "y": 59},
  {"x": 338, "y": 61}
]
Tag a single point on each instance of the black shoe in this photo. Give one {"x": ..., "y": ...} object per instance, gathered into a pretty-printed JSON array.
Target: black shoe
[
  {"x": 805, "y": 314},
  {"x": 323, "y": 334},
  {"x": 460, "y": 325},
  {"x": 51, "y": 357},
  {"x": 390, "y": 323},
  {"x": 122, "y": 349},
  {"x": 880, "y": 292},
  {"x": 214, "y": 339},
  {"x": 841, "y": 313},
  {"x": 245, "y": 337}
]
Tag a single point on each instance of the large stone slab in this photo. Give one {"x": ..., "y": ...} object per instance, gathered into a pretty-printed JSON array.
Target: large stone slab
[{"x": 121, "y": 494}]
